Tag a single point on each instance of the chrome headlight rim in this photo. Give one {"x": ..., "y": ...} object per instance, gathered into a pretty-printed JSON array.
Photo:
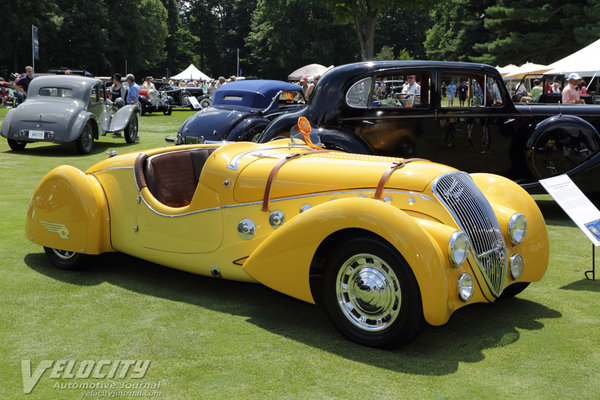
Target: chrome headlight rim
[
  {"x": 458, "y": 248},
  {"x": 517, "y": 228},
  {"x": 516, "y": 266},
  {"x": 466, "y": 286}
]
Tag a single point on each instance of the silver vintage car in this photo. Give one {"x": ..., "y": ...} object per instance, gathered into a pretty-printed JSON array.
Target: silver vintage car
[{"x": 68, "y": 109}]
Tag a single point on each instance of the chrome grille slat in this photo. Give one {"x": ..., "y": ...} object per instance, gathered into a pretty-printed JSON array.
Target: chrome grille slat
[{"x": 476, "y": 218}]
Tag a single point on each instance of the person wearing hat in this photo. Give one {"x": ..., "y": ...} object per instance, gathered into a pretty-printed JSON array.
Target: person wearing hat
[
  {"x": 304, "y": 84},
  {"x": 570, "y": 95}
]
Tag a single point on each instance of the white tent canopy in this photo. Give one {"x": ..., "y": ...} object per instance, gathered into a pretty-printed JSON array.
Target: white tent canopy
[
  {"x": 527, "y": 69},
  {"x": 585, "y": 62},
  {"x": 192, "y": 73},
  {"x": 308, "y": 71},
  {"x": 507, "y": 69}
]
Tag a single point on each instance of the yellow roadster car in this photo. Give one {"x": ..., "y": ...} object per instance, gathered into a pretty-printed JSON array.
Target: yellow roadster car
[{"x": 385, "y": 245}]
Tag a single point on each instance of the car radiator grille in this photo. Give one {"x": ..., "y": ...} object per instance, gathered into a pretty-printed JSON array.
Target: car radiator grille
[{"x": 474, "y": 215}]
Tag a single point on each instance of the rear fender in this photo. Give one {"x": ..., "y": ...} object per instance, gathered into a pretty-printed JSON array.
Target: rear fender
[
  {"x": 69, "y": 211},
  {"x": 80, "y": 121},
  {"x": 122, "y": 117},
  {"x": 282, "y": 262}
]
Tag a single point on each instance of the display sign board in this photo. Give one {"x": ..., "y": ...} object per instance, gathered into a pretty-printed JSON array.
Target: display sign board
[
  {"x": 577, "y": 206},
  {"x": 194, "y": 102}
]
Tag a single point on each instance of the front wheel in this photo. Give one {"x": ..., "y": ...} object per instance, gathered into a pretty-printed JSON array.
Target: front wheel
[
  {"x": 168, "y": 111},
  {"x": 85, "y": 143},
  {"x": 67, "y": 259},
  {"x": 16, "y": 144},
  {"x": 131, "y": 130},
  {"x": 371, "y": 294},
  {"x": 184, "y": 99}
]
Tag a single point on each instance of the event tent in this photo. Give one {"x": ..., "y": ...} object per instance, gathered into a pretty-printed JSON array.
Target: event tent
[
  {"x": 585, "y": 62},
  {"x": 308, "y": 70},
  {"x": 527, "y": 69},
  {"x": 192, "y": 73},
  {"x": 507, "y": 69}
]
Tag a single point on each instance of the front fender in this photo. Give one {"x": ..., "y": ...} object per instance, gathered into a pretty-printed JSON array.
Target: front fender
[
  {"x": 282, "y": 262},
  {"x": 247, "y": 129},
  {"x": 122, "y": 117},
  {"x": 506, "y": 197},
  {"x": 340, "y": 140},
  {"x": 69, "y": 211},
  {"x": 559, "y": 144}
]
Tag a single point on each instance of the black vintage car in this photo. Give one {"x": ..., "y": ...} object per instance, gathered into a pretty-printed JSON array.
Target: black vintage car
[
  {"x": 460, "y": 114},
  {"x": 181, "y": 95}
]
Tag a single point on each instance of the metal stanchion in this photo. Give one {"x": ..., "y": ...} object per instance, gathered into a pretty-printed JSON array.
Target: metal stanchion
[{"x": 593, "y": 270}]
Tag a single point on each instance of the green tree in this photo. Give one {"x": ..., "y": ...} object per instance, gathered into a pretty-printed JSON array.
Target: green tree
[
  {"x": 459, "y": 25},
  {"x": 541, "y": 31},
  {"x": 403, "y": 28},
  {"x": 16, "y": 32},
  {"x": 288, "y": 34}
]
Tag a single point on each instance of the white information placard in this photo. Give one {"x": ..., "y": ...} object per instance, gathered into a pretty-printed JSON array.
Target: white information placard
[
  {"x": 577, "y": 206},
  {"x": 194, "y": 102}
]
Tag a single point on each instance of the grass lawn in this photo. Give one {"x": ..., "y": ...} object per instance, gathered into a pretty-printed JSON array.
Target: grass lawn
[{"x": 213, "y": 339}]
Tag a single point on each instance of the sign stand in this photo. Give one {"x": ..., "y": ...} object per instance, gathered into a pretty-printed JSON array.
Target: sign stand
[
  {"x": 579, "y": 208},
  {"x": 593, "y": 270}
]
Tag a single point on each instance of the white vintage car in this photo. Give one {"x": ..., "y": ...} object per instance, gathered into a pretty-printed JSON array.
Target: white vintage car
[{"x": 68, "y": 109}]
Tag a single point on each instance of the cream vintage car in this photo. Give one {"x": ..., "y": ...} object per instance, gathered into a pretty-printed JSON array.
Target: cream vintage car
[{"x": 384, "y": 244}]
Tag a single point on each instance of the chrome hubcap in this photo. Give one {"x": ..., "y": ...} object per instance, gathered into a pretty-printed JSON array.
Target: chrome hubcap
[
  {"x": 64, "y": 254},
  {"x": 368, "y": 292}
]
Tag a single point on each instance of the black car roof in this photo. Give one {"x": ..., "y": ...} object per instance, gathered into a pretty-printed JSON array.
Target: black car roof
[{"x": 384, "y": 65}]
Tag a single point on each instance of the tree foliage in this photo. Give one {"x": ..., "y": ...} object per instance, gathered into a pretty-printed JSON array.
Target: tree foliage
[{"x": 274, "y": 37}]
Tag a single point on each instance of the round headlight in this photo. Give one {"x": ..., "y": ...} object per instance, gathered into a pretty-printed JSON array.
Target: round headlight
[
  {"x": 517, "y": 228},
  {"x": 466, "y": 287},
  {"x": 516, "y": 266},
  {"x": 458, "y": 248}
]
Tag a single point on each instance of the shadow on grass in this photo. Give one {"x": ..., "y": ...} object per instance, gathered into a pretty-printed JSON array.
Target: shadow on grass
[
  {"x": 69, "y": 149},
  {"x": 553, "y": 214},
  {"x": 436, "y": 351},
  {"x": 585, "y": 285}
]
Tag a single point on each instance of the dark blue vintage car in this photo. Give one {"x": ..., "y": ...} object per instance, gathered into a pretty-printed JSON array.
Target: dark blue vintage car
[{"x": 241, "y": 110}]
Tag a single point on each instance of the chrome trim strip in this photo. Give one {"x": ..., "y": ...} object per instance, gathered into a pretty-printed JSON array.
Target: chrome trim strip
[
  {"x": 110, "y": 169},
  {"x": 423, "y": 196}
]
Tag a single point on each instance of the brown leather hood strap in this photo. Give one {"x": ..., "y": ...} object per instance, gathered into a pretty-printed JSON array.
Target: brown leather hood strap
[
  {"x": 276, "y": 168},
  {"x": 388, "y": 172}
]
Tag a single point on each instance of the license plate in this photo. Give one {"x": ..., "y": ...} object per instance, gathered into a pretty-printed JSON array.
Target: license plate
[{"x": 36, "y": 134}]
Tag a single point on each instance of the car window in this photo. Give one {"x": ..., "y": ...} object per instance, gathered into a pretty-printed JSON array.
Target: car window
[
  {"x": 55, "y": 92},
  {"x": 291, "y": 97},
  {"x": 407, "y": 90},
  {"x": 358, "y": 95},
  {"x": 470, "y": 91},
  {"x": 95, "y": 96}
]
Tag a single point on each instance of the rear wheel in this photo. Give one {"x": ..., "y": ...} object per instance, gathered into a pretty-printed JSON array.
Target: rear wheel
[
  {"x": 85, "y": 143},
  {"x": 16, "y": 144},
  {"x": 205, "y": 102},
  {"x": 67, "y": 259},
  {"x": 371, "y": 294},
  {"x": 131, "y": 130},
  {"x": 168, "y": 111}
]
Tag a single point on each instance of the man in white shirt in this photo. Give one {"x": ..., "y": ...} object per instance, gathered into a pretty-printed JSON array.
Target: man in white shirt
[{"x": 412, "y": 91}]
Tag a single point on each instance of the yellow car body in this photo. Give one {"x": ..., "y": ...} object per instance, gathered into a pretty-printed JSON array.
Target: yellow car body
[{"x": 281, "y": 213}]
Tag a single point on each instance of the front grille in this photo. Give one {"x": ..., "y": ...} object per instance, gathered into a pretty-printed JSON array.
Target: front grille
[{"x": 474, "y": 215}]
